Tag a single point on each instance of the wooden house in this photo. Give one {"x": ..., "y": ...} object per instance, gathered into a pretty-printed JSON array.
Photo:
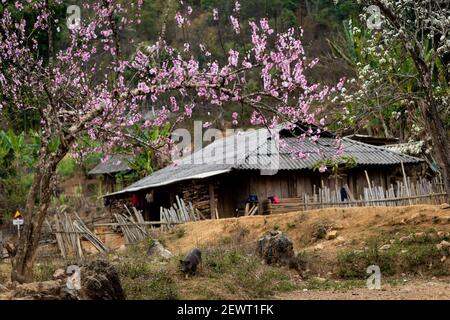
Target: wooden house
[
  {"x": 220, "y": 179},
  {"x": 109, "y": 169}
]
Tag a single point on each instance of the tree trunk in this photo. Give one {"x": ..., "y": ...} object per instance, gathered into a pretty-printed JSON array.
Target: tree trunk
[
  {"x": 23, "y": 262},
  {"x": 439, "y": 138}
]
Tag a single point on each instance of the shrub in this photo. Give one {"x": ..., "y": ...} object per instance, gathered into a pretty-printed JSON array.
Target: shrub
[
  {"x": 134, "y": 268},
  {"x": 353, "y": 264},
  {"x": 415, "y": 256},
  {"x": 157, "y": 285},
  {"x": 180, "y": 232},
  {"x": 245, "y": 273},
  {"x": 44, "y": 271}
]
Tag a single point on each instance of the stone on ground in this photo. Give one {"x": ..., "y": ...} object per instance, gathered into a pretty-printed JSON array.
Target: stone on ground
[{"x": 275, "y": 248}]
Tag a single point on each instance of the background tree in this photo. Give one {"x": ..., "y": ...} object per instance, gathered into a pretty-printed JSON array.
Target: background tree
[{"x": 422, "y": 29}]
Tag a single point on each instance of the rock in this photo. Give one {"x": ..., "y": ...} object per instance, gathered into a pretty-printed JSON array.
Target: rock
[
  {"x": 59, "y": 274},
  {"x": 443, "y": 258},
  {"x": 331, "y": 235},
  {"x": 319, "y": 279},
  {"x": 275, "y": 247},
  {"x": 407, "y": 238},
  {"x": 420, "y": 235},
  {"x": 100, "y": 281},
  {"x": 340, "y": 240},
  {"x": 337, "y": 227},
  {"x": 445, "y": 206},
  {"x": 385, "y": 247},
  {"x": 157, "y": 249},
  {"x": 47, "y": 290},
  {"x": 122, "y": 249},
  {"x": 443, "y": 245},
  {"x": 441, "y": 234},
  {"x": 441, "y": 220},
  {"x": 318, "y": 247}
]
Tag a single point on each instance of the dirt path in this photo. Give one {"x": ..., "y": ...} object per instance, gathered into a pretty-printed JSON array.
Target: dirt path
[{"x": 437, "y": 289}]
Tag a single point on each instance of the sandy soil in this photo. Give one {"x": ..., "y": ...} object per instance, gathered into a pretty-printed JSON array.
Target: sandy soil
[{"x": 434, "y": 289}]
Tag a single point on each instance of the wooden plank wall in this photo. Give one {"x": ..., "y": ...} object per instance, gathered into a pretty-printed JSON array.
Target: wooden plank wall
[{"x": 235, "y": 187}]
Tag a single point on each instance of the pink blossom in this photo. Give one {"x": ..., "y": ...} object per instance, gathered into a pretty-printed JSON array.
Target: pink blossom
[
  {"x": 233, "y": 57},
  {"x": 236, "y": 25}
]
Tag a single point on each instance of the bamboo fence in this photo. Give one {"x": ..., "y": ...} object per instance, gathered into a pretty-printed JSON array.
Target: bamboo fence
[
  {"x": 402, "y": 193},
  {"x": 69, "y": 233}
]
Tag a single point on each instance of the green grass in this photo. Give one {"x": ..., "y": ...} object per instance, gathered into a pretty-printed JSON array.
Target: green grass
[
  {"x": 419, "y": 255},
  {"x": 155, "y": 285},
  {"x": 224, "y": 273},
  {"x": 44, "y": 271},
  {"x": 180, "y": 232},
  {"x": 334, "y": 285}
]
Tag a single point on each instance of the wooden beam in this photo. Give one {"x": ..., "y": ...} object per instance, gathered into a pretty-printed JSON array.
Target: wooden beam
[
  {"x": 212, "y": 201},
  {"x": 146, "y": 223}
]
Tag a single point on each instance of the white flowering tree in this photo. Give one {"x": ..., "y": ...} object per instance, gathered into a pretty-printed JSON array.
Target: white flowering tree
[{"x": 421, "y": 29}]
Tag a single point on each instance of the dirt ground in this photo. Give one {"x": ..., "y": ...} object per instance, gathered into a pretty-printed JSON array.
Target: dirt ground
[
  {"x": 433, "y": 289},
  {"x": 353, "y": 225}
]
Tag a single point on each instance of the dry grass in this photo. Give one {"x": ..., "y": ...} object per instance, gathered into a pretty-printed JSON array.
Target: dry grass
[
  {"x": 224, "y": 274},
  {"x": 231, "y": 271},
  {"x": 354, "y": 224}
]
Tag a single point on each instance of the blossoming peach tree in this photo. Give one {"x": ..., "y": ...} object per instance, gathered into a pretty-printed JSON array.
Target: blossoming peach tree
[{"x": 91, "y": 88}]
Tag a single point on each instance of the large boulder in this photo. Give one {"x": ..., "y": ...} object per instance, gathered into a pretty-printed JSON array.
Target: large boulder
[
  {"x": 275, "y": 248},
  {"x": 100, "y": 281}
]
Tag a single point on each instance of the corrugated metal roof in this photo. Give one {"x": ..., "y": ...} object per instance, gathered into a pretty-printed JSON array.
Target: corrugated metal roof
[
  {"x": 256, "y": 150},
  {"x": 176, "y": 173},
  {"x": 229, "y": 150},
  {"x": 287, "y": 158},
  {"x": 414, "y": 148},
  {"x": 114, "y": 164}
]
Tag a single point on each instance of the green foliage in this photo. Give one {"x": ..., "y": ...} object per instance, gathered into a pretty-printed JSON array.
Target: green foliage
[
  {"x": 180, "y": 232},
  {"x": 353, "y": 264},
  {"x": 335, "y": 285},
  {"x": 43, "y": 271},
  {"x": 419, "y": 255},
  {"x": 142, "y": 279},
  {"x": 67, "y": 167},
  {"x": 244, "y": 273},
  {"x": 134, "y": 269},
  {"x": 336, "y": 164},
  {"x": 18, "y": 154}
]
